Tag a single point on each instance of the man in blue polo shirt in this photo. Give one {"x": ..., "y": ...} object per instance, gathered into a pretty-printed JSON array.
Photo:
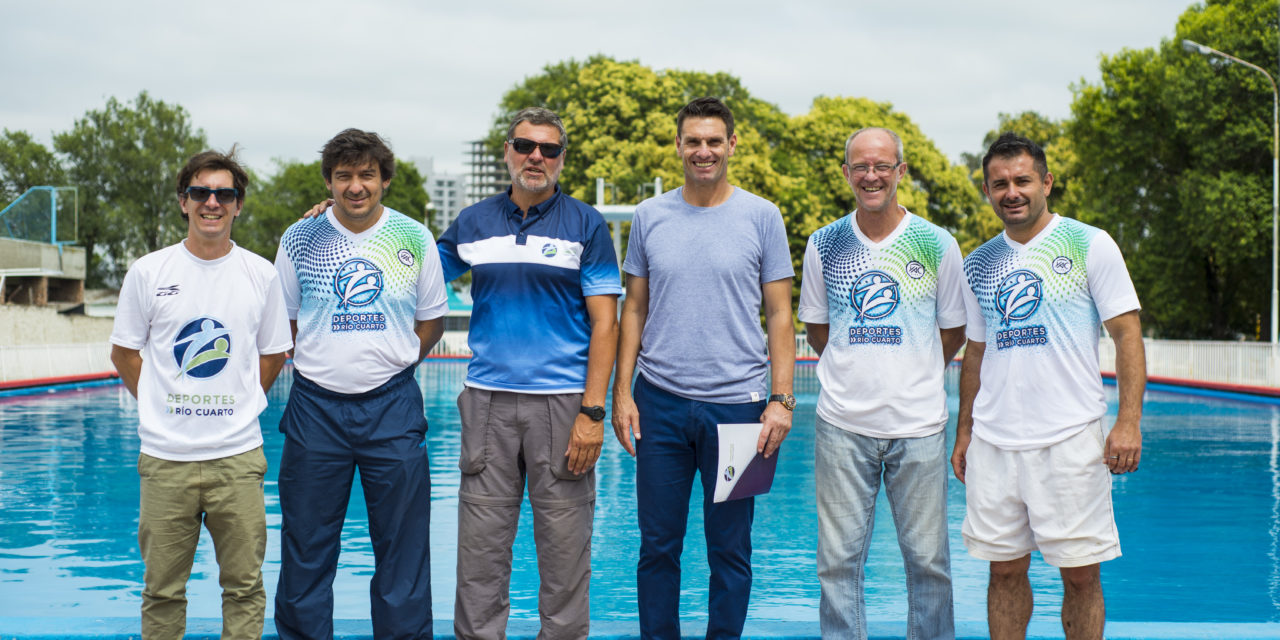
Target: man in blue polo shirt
[{"x": 543, "y": 336}]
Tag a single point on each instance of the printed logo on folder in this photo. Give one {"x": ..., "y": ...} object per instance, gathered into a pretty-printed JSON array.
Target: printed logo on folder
[{"x": 742, "y": 472}]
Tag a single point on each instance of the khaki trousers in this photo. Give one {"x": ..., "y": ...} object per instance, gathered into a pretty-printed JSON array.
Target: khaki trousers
[
  {"x": 509, "y": 439},
  {"x": 176, "y": 497}
]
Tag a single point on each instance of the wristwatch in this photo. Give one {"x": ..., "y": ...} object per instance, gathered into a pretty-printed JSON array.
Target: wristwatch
[
  {"x": 788, "y": 401},
  {"x": 595, "y": 413}
]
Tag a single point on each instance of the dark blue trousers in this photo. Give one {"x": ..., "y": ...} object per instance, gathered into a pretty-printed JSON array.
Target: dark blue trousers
[
  {"x": 328, "y": 436},
  {"x": 678, "y": 439}
]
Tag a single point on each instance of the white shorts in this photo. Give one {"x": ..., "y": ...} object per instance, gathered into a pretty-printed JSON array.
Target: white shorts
[{"x": 1056, "y": 499}]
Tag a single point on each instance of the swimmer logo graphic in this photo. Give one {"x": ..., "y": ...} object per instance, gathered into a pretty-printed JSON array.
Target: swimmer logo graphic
[
  {"x": 874, "y": 295},
  {"x": 548, "y": 250},
  {"x": 1018, "y": 296},
  {"x": 357, "y": 283},
  {"x": 202, "y": 348}
]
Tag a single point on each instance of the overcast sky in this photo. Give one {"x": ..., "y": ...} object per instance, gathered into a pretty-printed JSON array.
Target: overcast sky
[{"x": 280, "y": 77}]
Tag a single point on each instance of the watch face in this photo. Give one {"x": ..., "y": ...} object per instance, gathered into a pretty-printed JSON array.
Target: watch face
[{"x": 595, "y": 413}]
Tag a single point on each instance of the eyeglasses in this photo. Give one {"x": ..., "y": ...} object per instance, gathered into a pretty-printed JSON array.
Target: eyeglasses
[
  {"x": 201, "y": 194},
  {"x": 524, "y": 147},
  {"x": 882, "y": 170}
]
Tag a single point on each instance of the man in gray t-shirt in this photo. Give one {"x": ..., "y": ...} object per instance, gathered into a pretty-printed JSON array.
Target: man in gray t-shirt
[{"x": 700, "y": 262}]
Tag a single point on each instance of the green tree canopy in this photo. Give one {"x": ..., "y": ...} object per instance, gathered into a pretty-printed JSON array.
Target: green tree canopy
[
  {"x": 125, "y": 160},
  {"x": 25, "y": 163},
  {"x": 813, "y": 151},
  {"x": 277, "y": 202},
  {"x": 1174, "y": 158},
  {"x": 620, "y": 117}
]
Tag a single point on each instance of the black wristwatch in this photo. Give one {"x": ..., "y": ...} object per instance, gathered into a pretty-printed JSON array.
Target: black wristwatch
[
  {"x": 595, "y": 413},
  {"x": 788, "y": 401}
]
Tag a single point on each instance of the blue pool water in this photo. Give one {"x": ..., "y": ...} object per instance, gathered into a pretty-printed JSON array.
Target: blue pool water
[{"x": 1200, "y": 523}]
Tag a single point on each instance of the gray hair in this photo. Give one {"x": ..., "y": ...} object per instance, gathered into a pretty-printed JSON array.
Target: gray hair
[
  {"x": 897, "y": 141},
  {"x": 541, "y": 116}
]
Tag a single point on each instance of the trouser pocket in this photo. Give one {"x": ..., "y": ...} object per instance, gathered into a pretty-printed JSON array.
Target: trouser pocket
[
  {"x": 473, "y": 409},
  {"x": 562, "y": 411}
]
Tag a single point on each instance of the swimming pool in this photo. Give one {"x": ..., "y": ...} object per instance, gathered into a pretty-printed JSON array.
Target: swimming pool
[{"x": 1200, "y": 523}]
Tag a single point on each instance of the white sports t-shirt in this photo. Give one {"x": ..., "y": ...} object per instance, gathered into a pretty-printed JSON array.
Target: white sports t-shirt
[
  {"x": 1039, "y": 307},
  {"x": 882, "y": 370},
  {"x": 357, "y": 297},
  {"x": 200, "y": 325}
]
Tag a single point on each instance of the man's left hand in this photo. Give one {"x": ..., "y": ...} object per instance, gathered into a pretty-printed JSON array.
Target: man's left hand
[
  {"x": 584, "y": 444},
  {"x": 777, "y": 424},
  {"x": 1124, "y": 447}
]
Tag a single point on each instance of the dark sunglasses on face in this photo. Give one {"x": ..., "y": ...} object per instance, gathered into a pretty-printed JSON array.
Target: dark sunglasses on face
[
  {"x": 525, "y": 147},
  {"x": 201, "y": 194}
]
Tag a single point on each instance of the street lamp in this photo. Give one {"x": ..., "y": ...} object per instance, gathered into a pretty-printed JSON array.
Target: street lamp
[{"x": 1196, "y": 47}]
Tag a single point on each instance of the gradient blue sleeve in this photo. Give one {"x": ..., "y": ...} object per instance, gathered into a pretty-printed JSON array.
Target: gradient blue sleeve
[
  {"x": 447, "y": 246},
  {"x": 598, "y": 269}
]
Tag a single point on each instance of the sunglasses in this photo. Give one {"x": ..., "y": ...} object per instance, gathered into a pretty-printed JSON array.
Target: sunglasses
[
  {"x": 525, "y": 147},
  {"x": 201, "y": 194}
]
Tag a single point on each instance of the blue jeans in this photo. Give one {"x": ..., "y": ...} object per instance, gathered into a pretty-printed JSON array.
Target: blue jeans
[
  {"x": 847, "y": 472},
  {"x": 679, "y": 439}
]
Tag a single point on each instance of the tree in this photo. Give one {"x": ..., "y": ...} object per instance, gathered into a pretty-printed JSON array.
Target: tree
[
  {"x": 1051, "y": 136},
  {"x": 295, "y": 187},
  {"x": 125, "y": 159},
  {"x": 408, "y": 194},
  {"x": 277, "y": 202},
  {"x": 1174, "y": 160},
  {"x": 813, "y": 152},
  {"x": 25, "y": 163},
  {"x": 620, "y": 118}
]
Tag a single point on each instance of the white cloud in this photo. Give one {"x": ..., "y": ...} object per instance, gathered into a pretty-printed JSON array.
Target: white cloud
[{"x": 281, "y": 77}]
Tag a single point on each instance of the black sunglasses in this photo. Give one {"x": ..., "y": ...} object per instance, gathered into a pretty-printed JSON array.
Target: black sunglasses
[
  {"x": 201, "y": 194},
  {"x": 524, "y": 147}
]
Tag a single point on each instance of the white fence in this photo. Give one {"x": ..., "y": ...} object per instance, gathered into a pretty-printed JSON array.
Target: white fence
[{"x": 1245, "y": 363}]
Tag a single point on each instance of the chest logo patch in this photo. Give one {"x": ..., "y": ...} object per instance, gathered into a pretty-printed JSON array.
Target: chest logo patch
[
  {"x": 1018, "y": 296},
  {"x": 202, "y": 348},
  {"x": 1062, "y": 265},
  {"x": 406, "y": 257},
  {"x": 549, "y": 250},
  {"x": 915, "y": 270},
  {"x": 357, "y": 283},
  {"x": 874, "y": 295}
]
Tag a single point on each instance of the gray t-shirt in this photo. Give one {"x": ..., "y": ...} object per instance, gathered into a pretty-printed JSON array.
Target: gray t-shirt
[{"x": 702, "y": 339}]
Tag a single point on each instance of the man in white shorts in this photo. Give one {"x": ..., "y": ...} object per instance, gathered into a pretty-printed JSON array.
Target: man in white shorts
[
  {"x": 210, "y": 318},
  {"x": 1029, "y": 442}
]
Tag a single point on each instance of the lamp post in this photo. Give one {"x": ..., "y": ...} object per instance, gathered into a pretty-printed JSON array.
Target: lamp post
[
  {"x": 1275, "y": 170},
  {"x": 1196, "y": 47}
]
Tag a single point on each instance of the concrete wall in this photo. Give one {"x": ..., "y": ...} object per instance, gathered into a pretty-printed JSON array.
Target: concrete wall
[
  {"x": 24, "y": 254},
  {"x": 25, "y": 325}
]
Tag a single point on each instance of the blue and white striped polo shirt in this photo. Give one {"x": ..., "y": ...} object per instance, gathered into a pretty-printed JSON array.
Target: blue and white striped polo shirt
[{"x": 530, "y": 275}]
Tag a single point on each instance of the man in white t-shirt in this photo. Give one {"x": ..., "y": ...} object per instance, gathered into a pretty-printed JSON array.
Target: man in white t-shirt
[
  {"x": 200, "y": 335},
  {"x": 882, "y": 302},
  {"x": 364, "y": 291},
  {"x": 1029, "y": 444}
]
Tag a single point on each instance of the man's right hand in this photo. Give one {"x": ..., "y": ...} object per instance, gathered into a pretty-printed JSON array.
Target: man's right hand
[
  {"x": 963, "y": 435},
  {"x": 319, "y": 209},
  {"x": 626, "y": 420}
]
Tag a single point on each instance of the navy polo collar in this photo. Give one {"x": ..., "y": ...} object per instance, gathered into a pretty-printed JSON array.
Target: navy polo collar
[{"x": 523, "y": 222}]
